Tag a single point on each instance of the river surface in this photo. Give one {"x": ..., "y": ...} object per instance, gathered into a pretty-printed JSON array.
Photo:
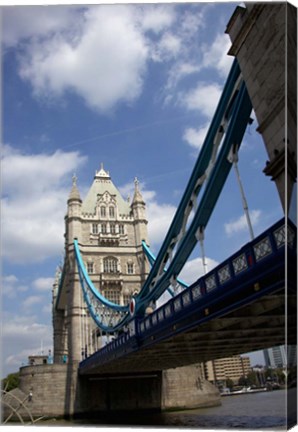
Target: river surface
[{"x": 266, "y": 410}]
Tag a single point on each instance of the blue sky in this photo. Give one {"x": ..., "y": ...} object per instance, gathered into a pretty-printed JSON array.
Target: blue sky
[{"x": 134, "y": 87}]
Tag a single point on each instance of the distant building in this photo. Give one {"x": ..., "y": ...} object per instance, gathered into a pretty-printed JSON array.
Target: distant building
[
  {"x": 292, "y": 355},
  {"x": 35, "y": 360},
  {"x": 278, "y": 357},
  {"x": 220, "y": 370}
]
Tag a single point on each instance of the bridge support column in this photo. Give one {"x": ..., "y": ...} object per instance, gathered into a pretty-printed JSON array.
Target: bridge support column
[
  {"x": 186, "y": 388},
  {"x": 264, "y": 40},
  {"x": 116, "y": 393},
  {"x": 75, "y": 342}
]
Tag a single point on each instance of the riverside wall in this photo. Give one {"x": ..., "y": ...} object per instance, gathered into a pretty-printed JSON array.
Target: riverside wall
[{"x": 57, "y": 391}]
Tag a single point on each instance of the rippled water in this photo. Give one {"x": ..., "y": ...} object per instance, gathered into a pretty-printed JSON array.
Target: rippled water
[{"x": 248, "y": 411}]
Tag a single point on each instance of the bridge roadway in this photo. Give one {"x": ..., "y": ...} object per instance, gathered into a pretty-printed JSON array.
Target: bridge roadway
[{"x": 240, "y": 306}]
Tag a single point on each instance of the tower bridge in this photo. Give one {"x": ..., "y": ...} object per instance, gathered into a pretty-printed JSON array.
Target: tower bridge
[{"x": 106, "y": 286}]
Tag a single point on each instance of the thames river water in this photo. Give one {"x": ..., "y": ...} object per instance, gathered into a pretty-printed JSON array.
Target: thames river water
[{"x": 266, "y": 410}]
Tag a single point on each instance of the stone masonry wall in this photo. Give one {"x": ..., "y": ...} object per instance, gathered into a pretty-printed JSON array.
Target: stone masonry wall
[
  {"x": 264, "y": 41},
  {"x": 185, "y": 388},
  {"x": 47, "y": 383}
]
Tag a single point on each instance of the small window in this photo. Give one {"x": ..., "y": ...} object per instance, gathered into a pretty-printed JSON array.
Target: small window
[
  {"x": 90, "y": 267},
  {"x": 121, "y": 229},
  {"x": 103, "y": 228},
  {"x": 111, "y": 212},
  {"x": 94, "y": 229},
  {"x": 102, "y": 211},
  {"x": 126, "y": 299},
  {"x": 112, "y": 295},
  {"x": 110, "y": 265},
  {"x": 112, "y": 229},
  {"x": 130, "y": 268}
]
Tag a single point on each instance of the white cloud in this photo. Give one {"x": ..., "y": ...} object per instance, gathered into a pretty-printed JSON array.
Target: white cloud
[
  {"x": 168, "y": 47},
  {"x": 193, "y": 269},
  {"x": 215, "y": 56},
  {"x": 10, "y": 286},
  {"x": 156, "y": 18},
  {"x": 240, "y": 224},
  {"x": 26, "y": 22},
  {"x": 21, "y": 337},
  {"x": 195, "y": 137},
  {"x": 34, "y": 203},
  {"x": 160, "y": 217},
  {"x": 31, "y": 301},
  {"x": 11, "y": 279},
  {"x": 43, "y": 284},
  {"x": 203, "y": 98},
  {"x": 105, "y": 65}
]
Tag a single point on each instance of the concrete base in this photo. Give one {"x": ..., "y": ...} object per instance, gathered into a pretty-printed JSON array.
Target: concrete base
[
  {"x": 185, "y": 388},
  {"x": 58, "y": 391}
]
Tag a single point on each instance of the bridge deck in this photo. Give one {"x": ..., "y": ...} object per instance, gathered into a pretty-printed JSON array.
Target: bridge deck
[{"x": 238, "y": 307}]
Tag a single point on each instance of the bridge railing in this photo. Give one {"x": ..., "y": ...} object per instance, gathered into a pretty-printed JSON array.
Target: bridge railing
[{"x": 257, "y": 255}]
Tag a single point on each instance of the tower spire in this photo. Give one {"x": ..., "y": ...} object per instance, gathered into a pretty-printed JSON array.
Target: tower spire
[
  {"x": 74, "y": 193},
  {"x": 137, "y": 198}
]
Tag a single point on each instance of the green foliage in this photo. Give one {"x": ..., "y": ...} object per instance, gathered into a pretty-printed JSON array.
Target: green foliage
[
  {"x": 252, "y": 378},
  {"x": 243, "y": 381},
  {"x": 229, "y": 383},
  {"x": 10, "y": 382}
]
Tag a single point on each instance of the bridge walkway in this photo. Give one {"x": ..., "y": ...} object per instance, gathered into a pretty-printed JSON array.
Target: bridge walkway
[{"x": 237, "y": 307}]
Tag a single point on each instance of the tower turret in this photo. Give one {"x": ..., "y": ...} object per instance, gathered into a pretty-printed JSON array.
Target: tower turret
[
  {"x": 73, "y": 217},
  {"x": 138, "y": 207}
]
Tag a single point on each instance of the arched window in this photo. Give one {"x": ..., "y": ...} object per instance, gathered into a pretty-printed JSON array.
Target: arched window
[
  {"x": 94, "y": 228},
  {"x": 90, "y": 267},
  {"x": 110, "y": 265},
  {"x": 111, "y": 212},
  {"x": 121, "y": 229},
  {"x": 102, "y": 211},
  {"x": 130, "y": 268}
]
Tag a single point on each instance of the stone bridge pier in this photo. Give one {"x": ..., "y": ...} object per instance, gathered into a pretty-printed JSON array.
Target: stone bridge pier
[{"x": 264, "y": 41}]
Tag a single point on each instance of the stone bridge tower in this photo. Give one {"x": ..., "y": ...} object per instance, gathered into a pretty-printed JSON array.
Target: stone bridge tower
[
  {"x": 264, "y": 41},
  {"x": 110, "y": 231}
]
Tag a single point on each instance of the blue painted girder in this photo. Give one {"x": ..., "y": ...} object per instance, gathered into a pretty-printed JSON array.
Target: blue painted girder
[
  {"x": 152, "y": 259},
  {"x": 198, "y": 171},
  {"x": 234, "y": 135}
]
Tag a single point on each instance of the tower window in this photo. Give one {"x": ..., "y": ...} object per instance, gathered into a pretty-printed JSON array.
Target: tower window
[
  {"x": 130, "y": 269},
  {"x": 111, "y": 212},
  {"x": 94, "y": 228},
  {"x": 102, "y": 211},
  {"x": 90, "y": 267},
  {"x": 112, "y": 229},
  {"x": 112, "y": 295},
  {"x": 103, "y": 228},
  {"x": 121, "y": 229},
  {"x": 126, "y": 299},
  {"x": 110, "y": 265}
]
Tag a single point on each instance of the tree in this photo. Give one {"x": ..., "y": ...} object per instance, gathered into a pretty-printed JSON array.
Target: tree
[
  {"x": 10, "y": 382},
  {"x": 252, "y": 378},
  {"x": 242, "y": 381},
  {"x": 229, "y": 383}
]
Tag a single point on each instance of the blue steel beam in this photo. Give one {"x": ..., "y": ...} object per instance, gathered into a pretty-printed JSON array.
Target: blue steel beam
[
  {"x": 234, "y": 135},
  {"x": 193, "y": 187},
  {"x": 152, "y": 259}
]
